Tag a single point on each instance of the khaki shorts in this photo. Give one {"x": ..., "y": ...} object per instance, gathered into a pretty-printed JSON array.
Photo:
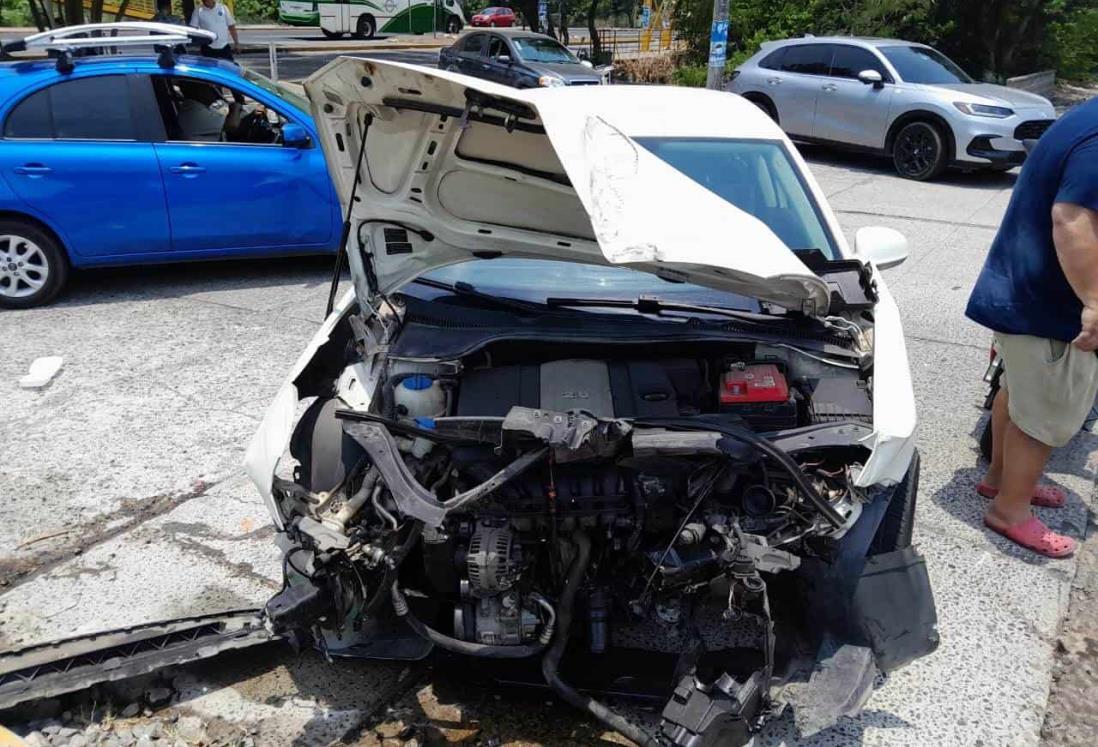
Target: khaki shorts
[{"x": 1052, "y": 385}]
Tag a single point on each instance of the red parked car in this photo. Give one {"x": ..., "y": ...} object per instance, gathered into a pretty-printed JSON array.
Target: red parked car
[{"x": 494, "y": 17}]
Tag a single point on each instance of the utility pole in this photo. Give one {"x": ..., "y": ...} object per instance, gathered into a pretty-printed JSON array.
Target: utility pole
[{"x": 718, "y": 45}]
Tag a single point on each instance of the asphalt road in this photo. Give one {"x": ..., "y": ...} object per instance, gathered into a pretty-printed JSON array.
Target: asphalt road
[{"x": 124, "y": 500}]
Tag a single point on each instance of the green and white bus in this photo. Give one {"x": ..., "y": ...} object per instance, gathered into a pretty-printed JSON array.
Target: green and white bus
[
  {"x": 364, "y": 18},
  {"x": 299, "y": 12}
]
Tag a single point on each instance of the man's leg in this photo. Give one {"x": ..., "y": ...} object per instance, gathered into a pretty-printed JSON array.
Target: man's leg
[
  {"x": 1023, "y": 460},
  {"x": 1000, "y": 419}
]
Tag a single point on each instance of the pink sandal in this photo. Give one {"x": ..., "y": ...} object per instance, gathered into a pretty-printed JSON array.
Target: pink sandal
[
  {"x": 1032, "y": 534},
  {"x": 1047, "y": 496}
]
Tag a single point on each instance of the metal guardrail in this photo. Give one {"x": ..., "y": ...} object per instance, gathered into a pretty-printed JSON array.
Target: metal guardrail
[
  {"x": 622, "y": 43},
  {"x": 1043, "y": 82}
]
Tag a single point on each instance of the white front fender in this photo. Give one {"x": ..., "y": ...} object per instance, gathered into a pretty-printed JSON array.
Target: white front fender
[
  {"x": 894, "y": 419},
  {"x": 270, "y": 441}
]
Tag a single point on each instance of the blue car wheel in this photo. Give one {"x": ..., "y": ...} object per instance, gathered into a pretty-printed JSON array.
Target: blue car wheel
[{"x": 33, "y": 267}]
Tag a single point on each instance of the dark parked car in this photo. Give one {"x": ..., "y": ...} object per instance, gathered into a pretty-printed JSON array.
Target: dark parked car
[{"x": 516, "y": 58}]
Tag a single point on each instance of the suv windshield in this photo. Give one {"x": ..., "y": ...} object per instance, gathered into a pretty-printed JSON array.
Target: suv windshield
[
  {"x": 924, "y": 65},
  {"x": 534, "y": 49},
  {"x": 757, "y": 176}
]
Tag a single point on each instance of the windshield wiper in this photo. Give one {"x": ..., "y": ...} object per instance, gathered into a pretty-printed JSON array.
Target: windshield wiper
[
  {"x": 657, "y": 307},
  {"x": 466, "y": 290}
]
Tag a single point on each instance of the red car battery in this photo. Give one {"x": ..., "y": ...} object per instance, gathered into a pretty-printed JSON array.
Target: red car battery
[{"x": 760, "y": 394}]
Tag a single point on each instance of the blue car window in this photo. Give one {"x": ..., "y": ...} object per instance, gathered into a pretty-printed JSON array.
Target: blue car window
[
  {"x": 92, "y": 109},
  {"x": 31, "y": 118},
  {"x": 80, "y": 109}
]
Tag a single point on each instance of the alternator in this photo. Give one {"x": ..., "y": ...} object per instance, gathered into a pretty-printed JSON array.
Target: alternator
[{"x": 492, "y": 563}]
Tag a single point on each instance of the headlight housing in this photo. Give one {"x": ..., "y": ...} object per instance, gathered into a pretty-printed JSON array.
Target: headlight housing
[
  {"x": 983, "y": 110},
  {"x": 550, "y": 81}
]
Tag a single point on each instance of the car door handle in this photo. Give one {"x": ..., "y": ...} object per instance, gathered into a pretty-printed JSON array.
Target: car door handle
[
  {"x": 33, "y": 169},
  {"x": 830, "y": 87},
  {"x": 188, "y": 169},
  {"x": 774, "y": 81}
]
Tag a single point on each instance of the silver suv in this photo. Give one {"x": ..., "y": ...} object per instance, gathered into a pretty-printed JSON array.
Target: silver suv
[{"x": 901, "y": 99}]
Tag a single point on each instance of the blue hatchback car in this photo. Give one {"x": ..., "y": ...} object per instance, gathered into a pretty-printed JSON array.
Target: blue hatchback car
[{"x": 124, "y": 160}]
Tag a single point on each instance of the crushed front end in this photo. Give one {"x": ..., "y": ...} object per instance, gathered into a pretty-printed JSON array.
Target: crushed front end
[{"x": 620, "y": 519}]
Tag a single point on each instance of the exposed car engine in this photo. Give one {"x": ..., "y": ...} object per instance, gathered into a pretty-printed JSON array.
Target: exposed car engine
[{"x": 525, "y": 506}]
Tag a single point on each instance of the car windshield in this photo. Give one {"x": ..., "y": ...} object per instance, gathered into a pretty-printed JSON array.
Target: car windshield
[
  {"x": 756, "y": 176},
  {"x": 277, "y": 89},
  {"x": 539, "y": 279},
  {"x": 924, "y": 65},
  {"x": 534, "y": 49}
]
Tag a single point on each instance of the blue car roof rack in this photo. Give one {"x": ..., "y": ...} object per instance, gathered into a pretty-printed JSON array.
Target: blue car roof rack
[{"x": 108, "y": 38}]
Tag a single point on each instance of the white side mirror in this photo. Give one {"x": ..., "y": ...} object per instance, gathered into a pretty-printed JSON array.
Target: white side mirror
[
  {"x": 587, "y": 63},
  {"x": 884, "y": 247}
]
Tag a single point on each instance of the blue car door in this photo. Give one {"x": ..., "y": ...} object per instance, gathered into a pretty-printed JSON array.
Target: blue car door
[
  {"x": 231, "y": 185},
  {"x": 79, "y": 156}
]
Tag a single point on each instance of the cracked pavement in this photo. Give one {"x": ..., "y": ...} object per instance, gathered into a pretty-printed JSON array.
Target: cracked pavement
[{"x": 125, "y": 502}]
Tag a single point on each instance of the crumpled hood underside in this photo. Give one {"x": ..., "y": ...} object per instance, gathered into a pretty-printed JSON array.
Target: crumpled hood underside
[{"x": 488, "y": 171}]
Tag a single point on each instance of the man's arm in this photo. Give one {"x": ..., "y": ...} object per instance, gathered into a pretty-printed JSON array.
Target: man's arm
[
  {"x": 1075, "y": 233},
  {"x": 232, "y": 29}
]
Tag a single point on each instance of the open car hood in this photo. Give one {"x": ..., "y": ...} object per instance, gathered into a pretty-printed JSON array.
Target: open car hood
[{"x": 457, "y": 168}]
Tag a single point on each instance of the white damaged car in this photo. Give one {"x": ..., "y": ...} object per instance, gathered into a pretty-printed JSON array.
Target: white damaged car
[{"x": 611, "y": 408}]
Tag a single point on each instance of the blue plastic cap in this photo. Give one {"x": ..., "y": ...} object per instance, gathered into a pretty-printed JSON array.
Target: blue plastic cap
[
  {"x": 427, "y": 424},
  {"x": 418, "y": 382}
]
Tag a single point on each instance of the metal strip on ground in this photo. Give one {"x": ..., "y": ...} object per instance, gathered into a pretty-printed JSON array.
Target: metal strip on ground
[{"x": 57, "y": 667}]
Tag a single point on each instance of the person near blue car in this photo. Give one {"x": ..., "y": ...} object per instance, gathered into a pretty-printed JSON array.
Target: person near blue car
[{"x": 213, "y": 15}]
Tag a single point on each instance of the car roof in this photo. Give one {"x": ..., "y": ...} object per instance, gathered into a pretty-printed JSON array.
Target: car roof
[
  {"x": 18, "y": 73},
  {"x": 871, "y": 42},
  {"x": 506, "y": 32}
]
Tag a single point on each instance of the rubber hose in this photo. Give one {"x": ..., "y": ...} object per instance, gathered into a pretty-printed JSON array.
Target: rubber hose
[
  {"x": 551, "y": 662},
  {"x": 468, "y": 648},
  {"x": 389, "y": 577}
]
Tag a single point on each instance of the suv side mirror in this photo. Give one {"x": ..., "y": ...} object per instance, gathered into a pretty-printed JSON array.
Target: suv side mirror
[
  {"x": 295, "y": 136},
  {"x": 587, "y": 63},
  {"x": 884, "y": 247},
  {"x": 504, "y": 59},
  {"x": 871, "y": 78}
]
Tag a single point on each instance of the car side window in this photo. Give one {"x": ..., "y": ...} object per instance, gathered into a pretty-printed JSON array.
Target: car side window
[
  {"x": 80, "y": 109},
  {"x": 31, "y": 118},
  {"x": 200, "y": 111},
  {"x": 473, "y": 45},
  {"x": 807, "y": 59},
  {"x": 497, "y": 47},
  {"x": 849, "y": 61},
  {"x": 773, "y": 61}
]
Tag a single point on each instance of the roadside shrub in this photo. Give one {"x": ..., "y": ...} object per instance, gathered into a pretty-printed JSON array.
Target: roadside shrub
[
  {"x": 1073, "y": 44},
  {"x": 693, "y": 76},
  {"x": 255, "y": 11},
  {"x": 656, "y": 69}
]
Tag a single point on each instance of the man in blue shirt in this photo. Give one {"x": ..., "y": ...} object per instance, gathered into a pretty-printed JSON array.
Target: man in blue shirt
[{"x": 1038, "y": 291}]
